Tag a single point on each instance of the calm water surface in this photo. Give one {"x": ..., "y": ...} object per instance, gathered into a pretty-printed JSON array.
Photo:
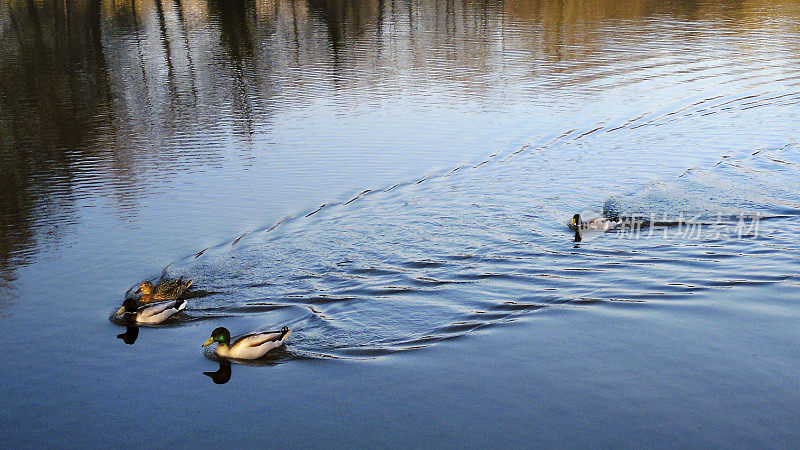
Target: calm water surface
[{"x": 393, "y": 180}]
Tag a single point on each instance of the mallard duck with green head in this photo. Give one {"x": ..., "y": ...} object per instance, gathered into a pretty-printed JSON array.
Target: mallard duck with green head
[
  {"x": 166, "y": 289},
  {"x": 249, "y": 346},
  {"x": 149, "y": 313},
  {"x": 596, "y": 224}
]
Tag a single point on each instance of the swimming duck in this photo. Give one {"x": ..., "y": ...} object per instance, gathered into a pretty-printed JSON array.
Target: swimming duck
[
  {"x": 167, "y": 289},
  {"x": 597, "y": 224},
  {"x": 150, "y": 313},
  {"x": 249, "y": 346}
]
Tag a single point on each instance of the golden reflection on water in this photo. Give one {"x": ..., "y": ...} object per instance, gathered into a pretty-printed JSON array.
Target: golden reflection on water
[{"x": 96, "y": 94}]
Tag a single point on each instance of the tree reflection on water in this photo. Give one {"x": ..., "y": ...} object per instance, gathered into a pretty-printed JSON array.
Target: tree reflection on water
[{"x": 95, "y": 96}]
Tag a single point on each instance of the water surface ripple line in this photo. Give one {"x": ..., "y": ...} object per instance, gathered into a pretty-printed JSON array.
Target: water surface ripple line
[{"x": 385, "y": 275}]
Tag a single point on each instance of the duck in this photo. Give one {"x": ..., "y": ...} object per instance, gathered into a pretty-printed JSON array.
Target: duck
[
  {"x": 597, "y": 224},
  {"x": 150, "y": 313},
  {"x": 166, "y": 289},
  {"x": 249, "y": 346}
]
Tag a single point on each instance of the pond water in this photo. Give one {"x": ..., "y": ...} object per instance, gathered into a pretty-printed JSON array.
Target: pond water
[{"x": 393, "y": 180}]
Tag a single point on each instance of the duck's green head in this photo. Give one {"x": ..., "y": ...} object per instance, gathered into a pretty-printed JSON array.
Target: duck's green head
[
  {"x": 575, "y": 222},
  {"x": 145, "y": 288},
  {"x": 220, "y": 335},
  {"x": 128, "y": 306}
]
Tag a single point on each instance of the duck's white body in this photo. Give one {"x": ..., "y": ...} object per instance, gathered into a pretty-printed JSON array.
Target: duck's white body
[
  {"x": 595, "y": 224},
  {"x": 253, "y": 345},
  {"x": 600, "y": 224},
  {"x": 156, "y": 313}
]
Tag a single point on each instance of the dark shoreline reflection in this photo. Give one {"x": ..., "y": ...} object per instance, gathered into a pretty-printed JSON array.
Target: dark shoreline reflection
[
  {"x": 97, "y": 96},
  {"x": 53, "y": 91}
]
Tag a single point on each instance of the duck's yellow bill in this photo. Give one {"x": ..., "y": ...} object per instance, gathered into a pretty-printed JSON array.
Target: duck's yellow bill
[
  {"x": 208, "y": 342},
  {"x": 572, "y": 222},
  {"x": 121, "y": 310}
]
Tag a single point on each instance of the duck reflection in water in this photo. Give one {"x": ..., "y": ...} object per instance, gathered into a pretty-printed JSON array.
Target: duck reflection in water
[
  {"x": 223, "y": 374},
  {"x": 130, "y": 335}
]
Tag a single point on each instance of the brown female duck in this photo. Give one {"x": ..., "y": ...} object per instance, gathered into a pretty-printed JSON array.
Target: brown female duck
[{"x": 166, "y": 289}]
